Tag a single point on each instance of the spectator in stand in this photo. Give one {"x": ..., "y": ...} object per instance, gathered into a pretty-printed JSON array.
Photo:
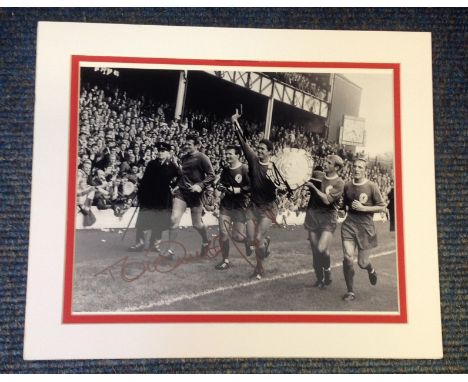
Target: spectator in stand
[
  {"x": 85, "y": 192},
  {"x": 104, "y": 190},
  {"x": 391, "y": 207},
  {"x": 134, "y": 176}
]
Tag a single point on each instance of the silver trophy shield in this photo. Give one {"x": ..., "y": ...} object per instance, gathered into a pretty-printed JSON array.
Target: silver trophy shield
[{"x": 295, "y": 166}]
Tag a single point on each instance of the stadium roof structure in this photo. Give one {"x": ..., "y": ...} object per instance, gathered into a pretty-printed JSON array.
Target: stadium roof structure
[{"x": 261, "y": 83}]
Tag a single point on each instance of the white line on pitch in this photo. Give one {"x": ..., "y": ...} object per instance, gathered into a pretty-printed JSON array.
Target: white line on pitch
[{"x": 191, "y": 296}]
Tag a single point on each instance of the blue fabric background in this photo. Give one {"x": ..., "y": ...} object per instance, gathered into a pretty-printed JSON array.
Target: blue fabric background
[{"x": 17, "y": 74}]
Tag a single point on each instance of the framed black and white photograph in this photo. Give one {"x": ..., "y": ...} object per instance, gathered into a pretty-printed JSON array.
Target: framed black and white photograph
[
  {"x": 262, "y": 188},
  {"x": 145, "y": 242}
]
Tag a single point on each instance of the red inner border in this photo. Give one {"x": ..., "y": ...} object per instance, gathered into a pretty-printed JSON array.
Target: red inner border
[{"x": 68, "y": 316}]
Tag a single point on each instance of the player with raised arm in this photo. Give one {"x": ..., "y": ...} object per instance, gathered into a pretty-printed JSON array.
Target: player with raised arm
[
  {"x": 321, "y": 216},
  {"x": 263, "y": 185},
  {"x": 197, "y": 173},
  {"x": 234, "y": 213},
  {"x": 362, "y": 199}
]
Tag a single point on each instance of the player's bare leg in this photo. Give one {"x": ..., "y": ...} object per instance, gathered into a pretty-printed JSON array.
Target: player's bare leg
[
  {"x": 263, "y": 225},
  {"x": 196, "y": 213},
  {"x": 349, "y": 251},
  {"x": 244, "y": 233},
  {"x": 238, "y": 233},
  {"x": 316, "y": 263},
  {"x": 324, "y": 255},
  {"x": 364, "y": 263},
  {"x": 178, "y": 208},
  {"x": 250, "y": 239},
  {"x": 224, "y": 226}
]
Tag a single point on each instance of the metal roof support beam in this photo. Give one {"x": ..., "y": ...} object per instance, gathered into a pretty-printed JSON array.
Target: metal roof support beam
[
  {"x": 181, "y": 91},
  {"x": 269, "y": 113}
]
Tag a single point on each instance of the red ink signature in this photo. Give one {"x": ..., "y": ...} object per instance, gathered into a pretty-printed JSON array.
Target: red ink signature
[{"x": 130, "y": 269}]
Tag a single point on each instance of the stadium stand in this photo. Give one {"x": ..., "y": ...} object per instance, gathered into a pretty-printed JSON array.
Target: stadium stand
[{"x": 118, "y": 135}]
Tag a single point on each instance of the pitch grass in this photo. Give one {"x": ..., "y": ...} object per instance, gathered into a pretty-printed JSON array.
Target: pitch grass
[{"x": 107, "y": 278}]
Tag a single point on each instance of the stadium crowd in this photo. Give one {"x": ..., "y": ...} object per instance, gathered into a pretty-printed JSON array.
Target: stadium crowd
[
  {"x": 118, "y": 136},
  {"x": 302, "y": 81}
]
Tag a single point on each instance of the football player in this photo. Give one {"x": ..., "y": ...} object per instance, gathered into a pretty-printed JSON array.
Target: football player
[
  {"x": 264, "y": 183},
  {"x": 197, "y": 174},
  {"x": 362, "y": 199},
  {"x": 321, "y": 216},
  {"x": 234, "y": 212}
]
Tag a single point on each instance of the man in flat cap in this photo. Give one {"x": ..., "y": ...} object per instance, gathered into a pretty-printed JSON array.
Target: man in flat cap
[{"x": 155, "y": 198}]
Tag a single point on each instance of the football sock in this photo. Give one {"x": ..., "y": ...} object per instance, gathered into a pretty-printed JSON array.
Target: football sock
[
  {"x": 249, "y": 249},
  {"x": 326, "y": 260},
  {"x": 225, "y": 248},
  {"x": 260, "y": 254},
  {"x": 327, "y": 276},
  {"x": 348, "y": 272},
  {"x": 317, "y": 264}
]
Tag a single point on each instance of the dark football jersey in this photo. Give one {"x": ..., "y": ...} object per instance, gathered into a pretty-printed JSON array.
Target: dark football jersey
[
  {"x": 332, "y": 187},
  {"x": 262, "y": 176},
  {"x": 367, "y": 193},
  {"x": 196, "y": 169},
  {"x": 235, "y": 177}
]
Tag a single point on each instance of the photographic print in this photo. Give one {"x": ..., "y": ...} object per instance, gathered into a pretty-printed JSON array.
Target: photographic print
[
  {"x": 235, "y": 191},
  {"x": 215, "y": 198}
]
